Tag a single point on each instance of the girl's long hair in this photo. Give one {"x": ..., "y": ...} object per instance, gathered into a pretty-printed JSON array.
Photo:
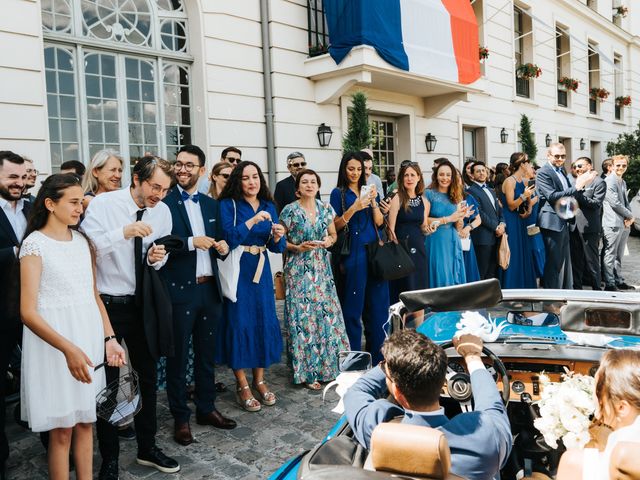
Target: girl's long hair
[
  {"x": 618, "y": 378},
  {"x": 233, "y": 188},
  {"x": 517, "y": 159},
  {"x": 217, "y": 168},
  {"x": 403, "y": 195},
  {"x": 343, "y": 179},
  {"x": 455, "y": 187}
]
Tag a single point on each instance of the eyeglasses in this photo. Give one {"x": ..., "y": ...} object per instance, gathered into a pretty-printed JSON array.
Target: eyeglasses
[
  {"x": 187, "y": 166},
  {"x": 298, "y": 165},
  {"x": 560, "y": 157},
  {"x": 156, "y": 189},
  {"x": 232, "y": 159}
]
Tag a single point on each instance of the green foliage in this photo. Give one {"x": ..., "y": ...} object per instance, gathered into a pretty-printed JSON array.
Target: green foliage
[
  {"x": 629, "y": 144},
  {"x": 358, "y": 134},
  {"x": 527, "y": 138}
]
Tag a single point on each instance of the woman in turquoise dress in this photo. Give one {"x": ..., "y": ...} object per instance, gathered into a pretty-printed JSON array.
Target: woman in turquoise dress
[
  {"x": 444, "y": 250},
  {"x": 312, "y": 314},
  {"x": 249, "y": 334},
  {"x": 515, "y": 195}
]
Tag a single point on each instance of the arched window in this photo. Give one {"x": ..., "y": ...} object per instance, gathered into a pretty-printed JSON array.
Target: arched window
[{"x": 117, "y": 74}]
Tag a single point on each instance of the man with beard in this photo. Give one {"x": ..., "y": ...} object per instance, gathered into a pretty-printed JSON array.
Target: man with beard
[
  {"x": 194, "y": 286},
  {"x": 123, "y": 226},
  {"x": 13, "y": 222},
  {"x": 32, "y": 175}
]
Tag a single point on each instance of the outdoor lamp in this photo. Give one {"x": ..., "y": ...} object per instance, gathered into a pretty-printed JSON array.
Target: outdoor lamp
[
  {"x": 324, "y": 135},
  {"x": 582, "y": 144},
  {"x": 504, "y": 136},
  {"x": 430, "y": 141},
  {"x": 547, "y": 140}
]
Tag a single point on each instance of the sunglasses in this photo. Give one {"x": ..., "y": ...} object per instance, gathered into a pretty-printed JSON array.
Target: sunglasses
[
  {"x": 559, "y": 157},
  {"x": 298, "y": 165},
  {"x": 225, "y": 175},
  {"x": 232, "y": 159}
]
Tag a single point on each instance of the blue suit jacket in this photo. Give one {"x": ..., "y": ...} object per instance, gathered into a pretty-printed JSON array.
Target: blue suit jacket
[
  {"x": 550, "y": 189},
  {"x": 180, "y": 269},
  {"x": 480, "y": 441},
  {"x": 491, "y": 216}
]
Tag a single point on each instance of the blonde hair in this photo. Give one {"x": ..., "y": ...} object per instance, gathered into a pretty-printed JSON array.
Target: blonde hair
[
  {"x": 618, "y": 379},
  {"x": 613, "y": 159},
  {"x": 90, "y": 182}
]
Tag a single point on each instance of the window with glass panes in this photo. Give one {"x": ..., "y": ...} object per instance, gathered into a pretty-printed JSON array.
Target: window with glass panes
[
  {"x": 117, "y": 76},
  {"x": 383, "y": 144}
]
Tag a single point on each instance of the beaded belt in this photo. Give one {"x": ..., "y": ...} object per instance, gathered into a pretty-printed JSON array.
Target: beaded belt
[{"x": 257, "y": 250}]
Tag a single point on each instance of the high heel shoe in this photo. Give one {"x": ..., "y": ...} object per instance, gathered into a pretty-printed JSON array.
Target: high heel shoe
[
  {"x": 267, "y": 398},
  {"x": 250, "y": 404}
]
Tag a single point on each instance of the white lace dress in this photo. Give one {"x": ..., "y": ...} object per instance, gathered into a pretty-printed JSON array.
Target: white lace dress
[{"x": 51, "y": 397}]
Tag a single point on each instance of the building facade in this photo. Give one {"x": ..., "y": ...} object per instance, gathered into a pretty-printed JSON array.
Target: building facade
[{"x": 150, "y": 75}]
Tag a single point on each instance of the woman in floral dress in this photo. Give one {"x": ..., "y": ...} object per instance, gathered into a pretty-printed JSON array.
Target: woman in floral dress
[{"x": 313, "y": 317}]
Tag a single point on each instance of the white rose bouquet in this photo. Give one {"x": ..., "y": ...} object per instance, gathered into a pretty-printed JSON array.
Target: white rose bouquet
[{"x": 565, "y": 408}]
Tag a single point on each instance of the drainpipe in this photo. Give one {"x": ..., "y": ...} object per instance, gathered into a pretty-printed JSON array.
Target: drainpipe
[{"x": 268, "y": 98}]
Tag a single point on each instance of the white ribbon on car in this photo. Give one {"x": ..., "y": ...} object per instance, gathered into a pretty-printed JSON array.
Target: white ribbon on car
[
  {"x": 342, "y": 383},
  {"x": 475, "y": 324}
]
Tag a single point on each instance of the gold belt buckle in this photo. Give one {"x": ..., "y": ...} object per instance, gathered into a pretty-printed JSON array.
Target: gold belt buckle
[{"x": 254, "y": 250}]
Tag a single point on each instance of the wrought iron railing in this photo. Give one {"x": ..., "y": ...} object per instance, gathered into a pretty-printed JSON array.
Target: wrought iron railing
[{"x": 318, "y": 33}]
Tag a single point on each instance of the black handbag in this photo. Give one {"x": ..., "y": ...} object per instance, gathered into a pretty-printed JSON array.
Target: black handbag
[
  {"x": 389, "y": 260},
  {"x": 343, "y": 241}
]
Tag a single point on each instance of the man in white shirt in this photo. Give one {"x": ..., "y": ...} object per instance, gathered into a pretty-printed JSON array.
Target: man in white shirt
[
  {"x": 196, "y": 295},
  {"x": 13, "y": 222},
  {"x": 123, "y": 225},
  {"x": 371, "y": 178}
]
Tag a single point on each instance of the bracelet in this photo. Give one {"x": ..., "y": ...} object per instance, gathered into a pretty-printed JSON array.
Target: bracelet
[
  {"x": 522, "y": 197},
  {"x": 344, "y": 219},
  {"x": 110, "y": 337}
]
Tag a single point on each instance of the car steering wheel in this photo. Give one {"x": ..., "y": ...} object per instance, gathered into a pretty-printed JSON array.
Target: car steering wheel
[{"x": 459, "y": 384}]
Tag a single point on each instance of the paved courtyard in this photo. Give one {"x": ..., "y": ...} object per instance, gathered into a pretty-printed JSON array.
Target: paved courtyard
[{"x": 254, "y": 450}]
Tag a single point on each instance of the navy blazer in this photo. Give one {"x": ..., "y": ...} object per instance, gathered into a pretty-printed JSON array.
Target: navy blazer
[
  {"x": 550, "y": 189},
  {"x": 180, "y": 269},
  {"x": 491, "y": 216},
  {"x": 480, "y": 441},
  {"x": 9, "y": 272}
]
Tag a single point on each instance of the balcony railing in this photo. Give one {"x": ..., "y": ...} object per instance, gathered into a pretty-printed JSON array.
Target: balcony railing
[
  {"x": 318, "y": 33},
  {"x": 523, "y": 87}
]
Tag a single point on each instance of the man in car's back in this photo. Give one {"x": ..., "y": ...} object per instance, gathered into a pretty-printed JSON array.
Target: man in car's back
[{"x": 413, "y": 372}]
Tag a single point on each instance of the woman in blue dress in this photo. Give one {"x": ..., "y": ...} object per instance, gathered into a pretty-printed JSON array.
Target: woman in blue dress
[
  {"x": 536, "y": 243},
  {"x": 357, "y": 209},
  {"x": 515, "y": 195},
  {"x": 408, "y": 220},
  {"x": 472, "y": 274},
  {"x": 444, "y": 250},
  {"x": 249, "y": 336}
]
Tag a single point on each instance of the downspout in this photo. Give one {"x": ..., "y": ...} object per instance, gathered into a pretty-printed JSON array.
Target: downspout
[{"x": 268, "y": 98}]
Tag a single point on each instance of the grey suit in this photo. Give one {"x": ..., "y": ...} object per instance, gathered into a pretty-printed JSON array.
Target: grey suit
[
  {"x": 480, "y": 441},
  {"x": 589, "y": 223},
  {"x": 616, "y": 210}
]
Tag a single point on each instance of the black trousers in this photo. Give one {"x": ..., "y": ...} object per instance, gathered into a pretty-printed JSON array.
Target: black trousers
[
  {"x": 487, "y": 258},
  {"x": 126, "y": 320},
  {"x": 197, "y": 319},
  {"x": 576, "y": 244},
  {"x": 9, "y": 338},
  {"x": 592, "y": 272},
  {"x": 557, "y": 268}
]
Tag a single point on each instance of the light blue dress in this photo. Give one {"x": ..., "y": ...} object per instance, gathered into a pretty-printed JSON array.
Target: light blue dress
[{"x": 444, "y": 250}]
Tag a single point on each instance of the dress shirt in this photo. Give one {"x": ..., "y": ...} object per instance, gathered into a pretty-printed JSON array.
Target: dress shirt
[
  {"x": 15, "y": 216},
  {"x": 561, "y": 175},
  {"x": 104, "y": 224},
  {"x": 486, "y": 191},
  {"x": 203, "y": 258}
]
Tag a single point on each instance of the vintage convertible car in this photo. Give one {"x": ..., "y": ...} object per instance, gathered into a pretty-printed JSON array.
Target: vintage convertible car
[{"x": 550, "y": 331}]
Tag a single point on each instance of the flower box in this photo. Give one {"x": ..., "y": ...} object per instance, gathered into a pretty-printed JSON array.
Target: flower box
[
  {"x": 599, "y": 93},
  {"x": 623, "y": 101},
  {"x": 528, "y": 70},
  {"x": 568, "y": 83},
  {"x": 483, "y": 53}
]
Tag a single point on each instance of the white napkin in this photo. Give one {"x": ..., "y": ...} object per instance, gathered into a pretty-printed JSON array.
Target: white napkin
[
  {"x": 475, "y": 324},
  {"x": 342, "y": 383}
]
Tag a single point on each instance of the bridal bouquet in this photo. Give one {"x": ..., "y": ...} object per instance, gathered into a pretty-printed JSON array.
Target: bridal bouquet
[{"x": 565, "y": 409}]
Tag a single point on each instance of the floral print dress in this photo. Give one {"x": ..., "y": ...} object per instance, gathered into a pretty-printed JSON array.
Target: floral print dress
[{"x": 313, "y": 318}]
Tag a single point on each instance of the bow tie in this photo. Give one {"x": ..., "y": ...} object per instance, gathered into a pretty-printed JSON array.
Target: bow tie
[
  {"x": 483, "y": 185},
  {"x": 194, "y": 198}
]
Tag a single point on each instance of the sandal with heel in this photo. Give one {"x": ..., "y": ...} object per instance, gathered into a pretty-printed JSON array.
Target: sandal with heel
[
  {"x": 250, "y": 404},
  {"x": 267, "y": 398}
]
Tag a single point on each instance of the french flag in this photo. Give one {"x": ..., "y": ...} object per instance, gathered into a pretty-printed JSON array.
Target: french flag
[{"x": 435, "y": 38}]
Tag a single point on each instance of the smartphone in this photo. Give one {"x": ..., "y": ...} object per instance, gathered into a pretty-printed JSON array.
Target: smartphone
[
  {"x": 365, "y": 190},
  {"x": 435, "y": 223},
  {"x": 532, "y": 183},
  {"x": 390, "y": 195}
]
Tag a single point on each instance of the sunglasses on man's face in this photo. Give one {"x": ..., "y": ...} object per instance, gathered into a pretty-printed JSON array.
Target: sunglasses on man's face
[
  {"x": 560, "y": 157},
  {"x": 232, "y": 159},
  {"x": 298, "y": 165}
]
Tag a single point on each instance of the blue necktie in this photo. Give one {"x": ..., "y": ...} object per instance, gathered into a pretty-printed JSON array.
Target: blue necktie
[{"x": 194, "y": 198}]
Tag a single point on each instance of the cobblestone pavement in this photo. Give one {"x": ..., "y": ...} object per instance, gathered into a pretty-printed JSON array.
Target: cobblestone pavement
[{"x": 254, "y": 450}]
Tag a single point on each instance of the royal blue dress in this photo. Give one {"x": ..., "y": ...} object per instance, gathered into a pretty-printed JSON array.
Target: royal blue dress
[
  {"x": 364, "y": 299},
  {"x": 409, "y": 229},
  {"x": 249, "y": 335},
  {"x": 444, "y": 251},
  {"x": 536, "y": 243},
  {"x": 521, "y": 272},
  {"x": 472, "y": 274}
]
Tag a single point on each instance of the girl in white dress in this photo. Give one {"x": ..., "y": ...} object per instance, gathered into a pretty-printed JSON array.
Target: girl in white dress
[
  {"x": 617, "y": 391},
  {"x": 67, "y": 329}
]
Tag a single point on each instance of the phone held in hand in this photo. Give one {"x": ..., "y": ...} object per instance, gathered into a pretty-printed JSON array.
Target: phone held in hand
[
  {"x": 532, "y": 183},
  {"x": 390, "y": 196},
  {"x": 365, "y": 191}
]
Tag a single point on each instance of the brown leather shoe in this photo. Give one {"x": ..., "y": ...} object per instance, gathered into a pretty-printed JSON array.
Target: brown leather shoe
[
  {"x": 216, "y": 419},
  {"x": 182, "y": 433}
]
